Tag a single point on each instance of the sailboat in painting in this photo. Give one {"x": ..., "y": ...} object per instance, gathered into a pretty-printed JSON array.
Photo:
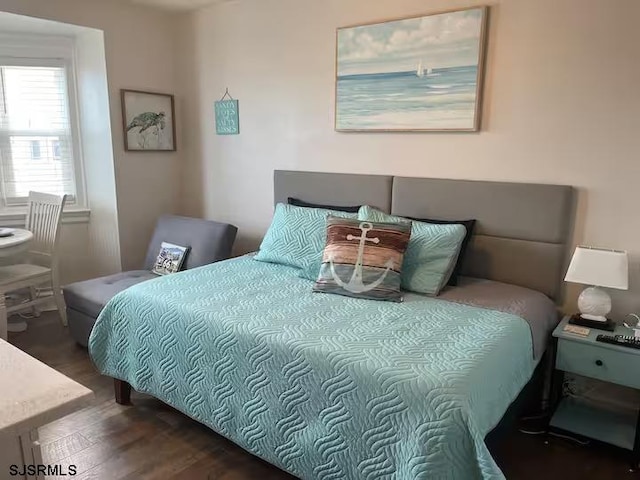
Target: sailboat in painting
[{"x": 422, "y": 72}]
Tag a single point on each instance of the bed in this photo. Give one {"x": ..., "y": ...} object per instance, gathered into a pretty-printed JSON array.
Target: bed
[{"x": 324, "y": 386}]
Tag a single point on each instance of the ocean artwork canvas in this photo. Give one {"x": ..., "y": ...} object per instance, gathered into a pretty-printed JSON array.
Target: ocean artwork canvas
[{"x": 414, "y": 74}]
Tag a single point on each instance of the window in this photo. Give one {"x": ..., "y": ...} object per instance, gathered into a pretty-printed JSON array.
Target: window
[
  {"x": 35, "y": 149},
  {"x": 38, "y": 133},
  {"x": 56, "y": 149}
]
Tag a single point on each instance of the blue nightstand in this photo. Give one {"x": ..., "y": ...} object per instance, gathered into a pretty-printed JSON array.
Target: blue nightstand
[{"x": 610, "y": 363}]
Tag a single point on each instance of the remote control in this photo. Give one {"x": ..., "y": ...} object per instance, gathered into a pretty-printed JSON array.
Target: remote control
[{"x": 622, "y": 340}]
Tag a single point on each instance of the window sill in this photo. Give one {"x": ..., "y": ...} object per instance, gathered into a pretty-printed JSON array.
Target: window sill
[{"x": 18, "y": 218}]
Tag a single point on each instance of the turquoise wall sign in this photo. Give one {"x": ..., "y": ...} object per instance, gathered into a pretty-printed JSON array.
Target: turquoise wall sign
[{"x": 227, "y": 119}]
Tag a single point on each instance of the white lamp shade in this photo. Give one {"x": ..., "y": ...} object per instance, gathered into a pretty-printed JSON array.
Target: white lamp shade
[{"x": 599, "y": 267}]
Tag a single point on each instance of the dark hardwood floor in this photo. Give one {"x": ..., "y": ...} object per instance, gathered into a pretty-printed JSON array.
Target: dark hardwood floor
[{"x": 152, "y": 441}]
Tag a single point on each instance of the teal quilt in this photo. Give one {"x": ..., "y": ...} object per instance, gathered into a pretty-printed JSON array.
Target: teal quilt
[{"x": 322, "y": 386}]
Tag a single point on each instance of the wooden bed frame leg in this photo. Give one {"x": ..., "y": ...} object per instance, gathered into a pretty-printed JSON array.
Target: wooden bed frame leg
[{"x": 123, "y": 392}]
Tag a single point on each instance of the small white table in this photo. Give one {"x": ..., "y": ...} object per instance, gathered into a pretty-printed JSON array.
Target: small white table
[
  {"x": 15, "y": 244},
  {"x": 33, "y": 394}
]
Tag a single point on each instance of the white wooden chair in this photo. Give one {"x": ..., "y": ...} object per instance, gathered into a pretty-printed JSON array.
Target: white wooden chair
[{"x": 43, "y": 220}]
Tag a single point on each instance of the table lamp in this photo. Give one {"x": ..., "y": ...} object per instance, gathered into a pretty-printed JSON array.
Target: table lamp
[{"x": 597, "y": 267}]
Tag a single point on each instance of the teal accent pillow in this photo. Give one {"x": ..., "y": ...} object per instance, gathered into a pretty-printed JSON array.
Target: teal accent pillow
[
  {"x": 297, "y": 236},
  {"x": 311, "y": 271},
  {"x": 431, "y": 255}
]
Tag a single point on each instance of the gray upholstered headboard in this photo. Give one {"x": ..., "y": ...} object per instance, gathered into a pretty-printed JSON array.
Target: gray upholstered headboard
[{"x": 522, "y": 230}]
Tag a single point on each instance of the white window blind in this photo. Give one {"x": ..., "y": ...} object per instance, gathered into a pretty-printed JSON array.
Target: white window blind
[{"x": 36, "y": 141}]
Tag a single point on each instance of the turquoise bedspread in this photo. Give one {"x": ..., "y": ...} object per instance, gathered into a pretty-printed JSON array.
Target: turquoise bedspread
[{"x": 322, "y": 386}]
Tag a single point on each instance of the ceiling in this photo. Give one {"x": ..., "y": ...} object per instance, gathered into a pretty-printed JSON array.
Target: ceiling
[{"x": 176, "y": 4}]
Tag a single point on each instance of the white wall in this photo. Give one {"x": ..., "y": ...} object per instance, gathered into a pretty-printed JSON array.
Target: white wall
[
  {"x": 561, "y": 106},
  {"x": 104, "y": 255},
  {"x": 139, "y": 44}
]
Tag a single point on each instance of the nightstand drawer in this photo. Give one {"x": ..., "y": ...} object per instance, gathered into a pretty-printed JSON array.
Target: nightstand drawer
[{"x": 598, "y": 362}]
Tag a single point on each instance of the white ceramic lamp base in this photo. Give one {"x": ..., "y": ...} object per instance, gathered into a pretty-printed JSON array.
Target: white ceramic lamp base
[{"x": 594, "y": 304}]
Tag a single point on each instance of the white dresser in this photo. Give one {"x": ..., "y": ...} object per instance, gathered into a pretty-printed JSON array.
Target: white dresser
[{"x": 31, "y": 394}]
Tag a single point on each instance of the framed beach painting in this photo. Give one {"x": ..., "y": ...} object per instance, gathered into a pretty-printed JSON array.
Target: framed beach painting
[
  {"x": 413, "y": 74},
  {"x": 148, "y": 121}
]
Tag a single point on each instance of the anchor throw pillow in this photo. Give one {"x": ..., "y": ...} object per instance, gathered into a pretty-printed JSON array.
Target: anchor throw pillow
[{"x": 363, "y": 259}]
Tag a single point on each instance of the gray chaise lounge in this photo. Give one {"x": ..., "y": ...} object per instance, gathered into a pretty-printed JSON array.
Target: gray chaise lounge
[{"x": 208, "y": 241}]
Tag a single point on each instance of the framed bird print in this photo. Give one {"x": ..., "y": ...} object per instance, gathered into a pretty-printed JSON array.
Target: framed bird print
[{"x": 148, "y": 121}]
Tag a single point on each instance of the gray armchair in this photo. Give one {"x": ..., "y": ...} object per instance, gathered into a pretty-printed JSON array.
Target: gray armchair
[{"x": 208, "y": 241}]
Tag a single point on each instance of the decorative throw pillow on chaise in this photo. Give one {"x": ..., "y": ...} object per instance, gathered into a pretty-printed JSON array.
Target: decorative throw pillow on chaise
[
  {"x": 296, "y": 236},
  {"x": 363, "y": 259},
  {"x": 431, "y": 255},
  {"x": 170, "y": 259}
]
